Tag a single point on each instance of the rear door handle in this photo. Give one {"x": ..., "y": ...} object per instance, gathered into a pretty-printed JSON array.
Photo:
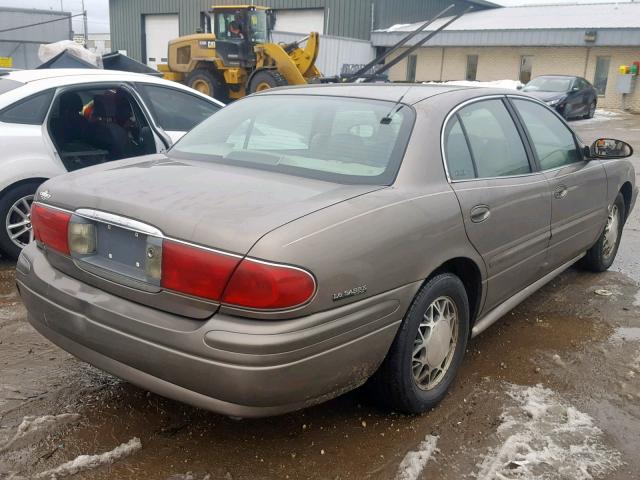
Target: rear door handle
[
  {"x": 480, "y": 213},
  {"x": 560, "y": 192}
]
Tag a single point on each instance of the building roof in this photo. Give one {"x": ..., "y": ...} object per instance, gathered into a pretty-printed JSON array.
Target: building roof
[{"x": 531, "y": 25}]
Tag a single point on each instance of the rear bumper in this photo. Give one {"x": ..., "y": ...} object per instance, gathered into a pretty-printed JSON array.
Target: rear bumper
[{"x": 229, "y": 365}]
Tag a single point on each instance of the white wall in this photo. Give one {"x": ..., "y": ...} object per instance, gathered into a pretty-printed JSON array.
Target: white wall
[{"x": 300, "y": 20}]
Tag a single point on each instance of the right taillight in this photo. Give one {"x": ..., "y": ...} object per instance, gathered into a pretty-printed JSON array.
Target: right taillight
[
  {"x": 267, "y": 286},
  {"x": 229, "y": 279},
  {"x": 50, "y": 227}
]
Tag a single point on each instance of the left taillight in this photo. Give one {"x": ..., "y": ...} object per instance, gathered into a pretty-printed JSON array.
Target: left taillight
[{"x": 50, "y": 227}]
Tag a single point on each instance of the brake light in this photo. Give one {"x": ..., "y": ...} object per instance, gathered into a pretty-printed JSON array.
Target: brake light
[
  {"x": 262, "y": 285},
  {"x": 50, "y": 227},
  {"x": 195, "y": 271},
  {"x": 229, "y": 279}
]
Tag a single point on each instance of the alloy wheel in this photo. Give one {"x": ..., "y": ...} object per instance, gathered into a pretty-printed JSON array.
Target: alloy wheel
[
  {"x": 435, "y": 343},
  {"x": 611, "y": 232},
  {"x": 18, "y": 222}
]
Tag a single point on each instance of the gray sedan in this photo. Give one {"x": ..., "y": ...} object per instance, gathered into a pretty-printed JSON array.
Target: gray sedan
[{"x": 305, "y": 241}]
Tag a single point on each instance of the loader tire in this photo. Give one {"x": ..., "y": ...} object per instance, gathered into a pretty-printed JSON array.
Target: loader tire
[
  {"x": 266, "y": 79},
  {"x": 205, "y": 81}
]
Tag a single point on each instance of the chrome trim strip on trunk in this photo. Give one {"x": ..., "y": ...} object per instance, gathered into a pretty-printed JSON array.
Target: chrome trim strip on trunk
[{"x": 491, "y": 317}]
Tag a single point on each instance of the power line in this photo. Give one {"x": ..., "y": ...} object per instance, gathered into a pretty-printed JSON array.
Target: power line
[{"x": 41, "y": 23}]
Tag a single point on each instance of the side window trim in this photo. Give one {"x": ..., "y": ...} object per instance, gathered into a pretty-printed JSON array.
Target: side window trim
[
  {"x": 528, "y": 135},
  {"x": 453, "y": 113},
  {"x": 466, "y": 140}
]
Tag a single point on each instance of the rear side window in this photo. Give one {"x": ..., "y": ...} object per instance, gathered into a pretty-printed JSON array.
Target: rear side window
[
  {"x": 494, "y": 142},
  {"x": 174, "y": 110},
  {"x": 30, "y": 111},
  {"x": 459, "y": 161},
  {"x": 553, "y": 142}
]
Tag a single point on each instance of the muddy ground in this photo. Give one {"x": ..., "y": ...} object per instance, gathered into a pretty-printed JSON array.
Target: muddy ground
[{"x": 551, "y": 391}]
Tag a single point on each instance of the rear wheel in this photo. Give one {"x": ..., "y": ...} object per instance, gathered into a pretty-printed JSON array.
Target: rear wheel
[
  {"x": 15, "y": 219},
  {"x": 600, "y": 257},
  {"x": 428, "y": 349},
  {"x": 205, "y": 81},
  {"x": 266, "y": 79}
]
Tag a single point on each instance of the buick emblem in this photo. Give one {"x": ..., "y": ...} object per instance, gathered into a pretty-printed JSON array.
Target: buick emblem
[{"x": 45, "y": 195}]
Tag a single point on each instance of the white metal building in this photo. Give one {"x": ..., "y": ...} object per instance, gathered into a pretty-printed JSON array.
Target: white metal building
[{"x": 20, "y": 45}]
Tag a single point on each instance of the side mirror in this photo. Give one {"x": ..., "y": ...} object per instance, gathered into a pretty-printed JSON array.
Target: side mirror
[
  {"x": 610, "y": 148},
  {"x": 519, "y": 87},
  {"x": 575, "y": 89}
]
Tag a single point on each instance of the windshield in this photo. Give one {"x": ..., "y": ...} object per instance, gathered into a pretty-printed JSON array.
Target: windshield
[
  {"x": 7, "y": 85},
  {"x": 337, "y": 139},
  {"x": 258, "y": 26},
  {"x": 548, "y": 84}
]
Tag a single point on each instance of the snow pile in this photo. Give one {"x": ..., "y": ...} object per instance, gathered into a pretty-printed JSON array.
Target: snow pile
[
  {"x": 544, "y": 437},
  {"x": 32, "y": 427},
  {"x": 86, "y": 462},
  {"x": 508, "y": 84},
  {"x": 415, "y": 461}
]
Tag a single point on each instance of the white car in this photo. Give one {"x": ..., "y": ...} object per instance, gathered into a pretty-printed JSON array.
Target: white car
[{"x": 60, "y": 120}]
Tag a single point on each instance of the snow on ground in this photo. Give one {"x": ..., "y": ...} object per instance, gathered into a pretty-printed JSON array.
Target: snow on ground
[
  {"x": 415, "y": 461},
  {"x": 509, "y": 84},
  {"x": 545, "y": 437},
  {"x": 86, "y": 462},
  {"x": 32, "y": 427}
]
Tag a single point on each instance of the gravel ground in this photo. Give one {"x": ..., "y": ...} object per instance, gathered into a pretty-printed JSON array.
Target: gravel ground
[{"x": 551, "y": 391}]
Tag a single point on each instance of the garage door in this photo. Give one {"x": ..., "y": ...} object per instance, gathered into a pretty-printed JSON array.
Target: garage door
[
  {"x": 300, "y": 21},
  {"x": 159, "y": 29}
]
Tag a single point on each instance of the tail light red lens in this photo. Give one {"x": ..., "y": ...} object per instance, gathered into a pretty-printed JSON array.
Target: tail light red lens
[
  {"x": 263, "y": 285},
  {"x": 229, "y": 279},
  {"x": 50, "y": 227},
  {"x": 195, "y": 271}
]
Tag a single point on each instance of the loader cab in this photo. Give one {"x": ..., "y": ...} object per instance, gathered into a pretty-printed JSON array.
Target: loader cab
[{"x": 238, "y": 30}]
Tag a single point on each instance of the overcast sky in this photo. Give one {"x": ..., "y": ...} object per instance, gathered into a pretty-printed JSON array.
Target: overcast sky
[{"x": 98, "y": 10}]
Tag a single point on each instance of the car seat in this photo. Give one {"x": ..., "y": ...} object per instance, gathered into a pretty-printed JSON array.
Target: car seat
[{"x": 69, "y": 125}]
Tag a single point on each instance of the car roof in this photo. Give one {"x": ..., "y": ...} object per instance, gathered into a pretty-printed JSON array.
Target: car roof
[
  {"x": 405, "y": 92},
  {"x": 26, "y": 76}
]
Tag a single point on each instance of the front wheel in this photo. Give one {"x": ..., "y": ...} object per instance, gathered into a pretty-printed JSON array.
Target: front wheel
[
  {"x": 15, "y": 219},
  {"x": 428, "y": 349},
  {"x": 266, "y": 79},
  {"x": 600, "y": 257}
]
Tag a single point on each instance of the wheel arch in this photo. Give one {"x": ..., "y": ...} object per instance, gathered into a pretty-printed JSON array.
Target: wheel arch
[
  {"x": 469, "y": 273},
  {"x": 39, "y": 180},
  {"x": 627, "y": 193}
]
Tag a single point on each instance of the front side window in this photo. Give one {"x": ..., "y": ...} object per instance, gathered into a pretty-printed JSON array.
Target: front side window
[
  {"x": 552, "y": 140},
  {"x": 336, "y": 139},
  {"x": 493, "y": 140},
  {"x": 174, "y": 110},
  {"x": 30, "y": 111}
]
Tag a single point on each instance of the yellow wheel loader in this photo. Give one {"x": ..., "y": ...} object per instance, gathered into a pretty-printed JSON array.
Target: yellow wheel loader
[{"x": 238, "y": 58}]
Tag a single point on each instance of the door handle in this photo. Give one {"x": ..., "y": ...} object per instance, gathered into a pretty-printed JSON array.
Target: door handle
[
  {"x": 560, "y": 192},
  {"x": 480, "y": 213}
]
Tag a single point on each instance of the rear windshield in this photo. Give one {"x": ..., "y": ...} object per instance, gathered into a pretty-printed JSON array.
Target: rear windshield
[
  {"x": 7, "y": 85},
  {"x": 342, "y": 140}
]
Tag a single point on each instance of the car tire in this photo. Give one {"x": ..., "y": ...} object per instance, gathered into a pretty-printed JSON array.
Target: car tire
[
  {"x": 592, "y": 110},
  {"x": 396, "y": 385},
  {"x": 601, "y": 255},
  {"x": 207, "y": 82},
  {"x": 266, "y": 79},
  {"x": 10, "y": 202}
]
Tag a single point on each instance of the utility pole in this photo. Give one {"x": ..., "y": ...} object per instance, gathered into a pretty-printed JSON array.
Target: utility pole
[{"x": 85, "y": 25}]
